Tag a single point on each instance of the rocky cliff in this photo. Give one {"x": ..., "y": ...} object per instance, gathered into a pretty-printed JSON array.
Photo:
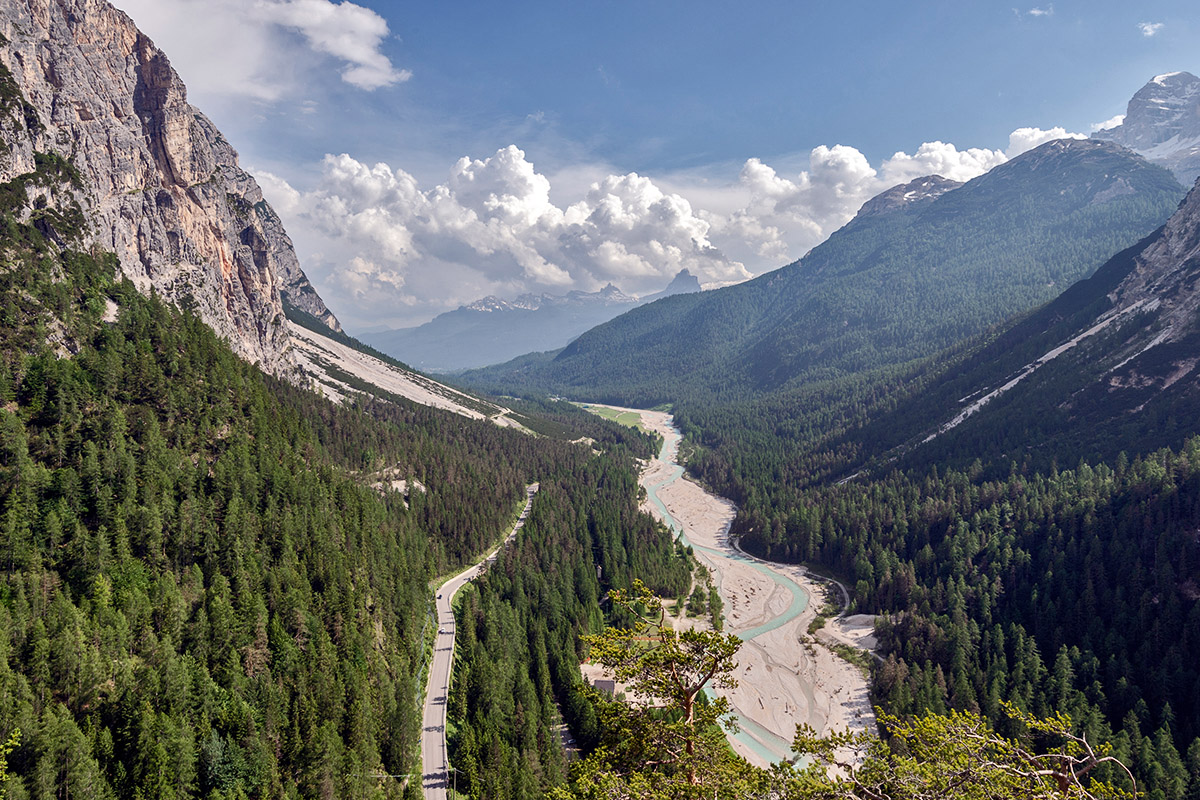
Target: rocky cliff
[
  {"x": 1162, "y": 122},
  {"x": 161, "y": 187}
]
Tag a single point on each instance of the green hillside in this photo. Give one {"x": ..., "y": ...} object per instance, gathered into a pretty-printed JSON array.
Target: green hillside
[
  {"x": 204, "y": 592},
  {"x": 884, "y": 290}
]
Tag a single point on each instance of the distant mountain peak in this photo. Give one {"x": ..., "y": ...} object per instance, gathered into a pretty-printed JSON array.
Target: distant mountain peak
[
  {"x": 492, "y": 329},
  {"x": 684, "y": 282},
  {"x": 684, "y": 279},
  {"x": 906, "y": 194},
  {"x": 1162, "y": 123}
]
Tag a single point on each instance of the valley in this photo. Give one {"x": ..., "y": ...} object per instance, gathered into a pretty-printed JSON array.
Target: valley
[
  {"x": 785, "y": 677},
  {"x": 436, "y": 778},
  {"x": 223, "y": 519}
]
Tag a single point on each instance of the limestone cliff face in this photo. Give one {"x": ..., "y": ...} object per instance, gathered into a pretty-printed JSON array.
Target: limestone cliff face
[
  {"x": 1162, "y": 122},
  {"x": 162, "y": 187}
]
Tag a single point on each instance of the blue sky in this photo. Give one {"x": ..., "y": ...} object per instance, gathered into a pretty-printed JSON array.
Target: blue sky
[{"x": 622, "y": 141}]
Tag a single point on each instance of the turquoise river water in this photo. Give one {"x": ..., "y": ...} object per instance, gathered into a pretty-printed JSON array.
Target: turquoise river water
[{"x": 766, "y": 743}]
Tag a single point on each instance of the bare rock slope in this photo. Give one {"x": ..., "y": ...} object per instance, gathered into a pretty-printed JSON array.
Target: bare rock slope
[
  {"x": 161, "y": 187},
  {"x": 1162, "y": 122}
]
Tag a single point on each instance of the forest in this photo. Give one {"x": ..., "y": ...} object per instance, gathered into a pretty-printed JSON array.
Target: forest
[
  {"x": 209, "y": 590},
  {"x": 206, "y": 592}
]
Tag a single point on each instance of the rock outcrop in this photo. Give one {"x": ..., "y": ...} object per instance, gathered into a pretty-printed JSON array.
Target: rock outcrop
[
  {"x": 161, "y": 186},
  {"x": 905, "y": 195},
  {"x": 1162, "y": 123}
]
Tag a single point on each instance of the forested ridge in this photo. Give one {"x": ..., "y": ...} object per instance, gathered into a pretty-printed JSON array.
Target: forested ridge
[
  {"x": 882, "y": 292},
  {"x": 1075, "y": 591},
  {"x": 518, "y": 647},
  {"x": 204, "y": 592}
]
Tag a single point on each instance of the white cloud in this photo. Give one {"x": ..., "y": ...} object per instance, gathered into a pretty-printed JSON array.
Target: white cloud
[
  {"x": 489, "y": 228},
  {"x": 1108, "y": 124},
  {"x": 1048, "y": 11},
  {"x": 376, "y": 241},
  {"x": 346, "y": 31},
  {"x": 1023, "y": 139},
  {"x": 1149, "y": 29},
  {"x": 261, "y": 57},
  {"x": 940, "y": 158}
]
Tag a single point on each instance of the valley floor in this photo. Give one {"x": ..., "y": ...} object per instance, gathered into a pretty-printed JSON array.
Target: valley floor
[{"x": 785, "y": 677}]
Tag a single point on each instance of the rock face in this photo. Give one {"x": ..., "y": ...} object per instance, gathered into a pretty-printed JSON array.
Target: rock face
[
  {"x": 928, "y": 188},
  {"x": 684, "y": 282},
  {"x": 161, "y": 187},
  {"x": 1162, "y": 123},
  {"x": 1166, "y": 282}
]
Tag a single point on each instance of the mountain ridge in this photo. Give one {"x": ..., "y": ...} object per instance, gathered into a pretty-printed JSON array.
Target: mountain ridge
[
  {"x": 491, "y": 330},
  {"x": 1109, "y": 365},
  {"x": 1162, "y": 122},
  {"x": 160, "y": 186},
  {"x": 885, "y": 288}
]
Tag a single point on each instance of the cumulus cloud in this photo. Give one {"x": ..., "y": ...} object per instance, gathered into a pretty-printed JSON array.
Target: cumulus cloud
[
  {"x": 1149, "y": 29},
  {"x": 1048, "y": 11},
  {"x": 1023, "y": 139},
  {"x": 940, "y": 158},
  {"x": 491, "y": 227},
  {"x": 396, "y": 252},
  {"x": 348, "y": 32},
  {"x": 266, "y": 46}
]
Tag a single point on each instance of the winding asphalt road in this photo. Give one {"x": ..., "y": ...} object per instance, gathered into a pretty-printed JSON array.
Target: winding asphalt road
[{"x": 435, "y": 760}]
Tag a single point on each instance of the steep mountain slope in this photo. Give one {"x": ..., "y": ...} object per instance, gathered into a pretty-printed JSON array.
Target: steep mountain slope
[
  {"x": 1014, "y": 515},
  {"x": 1110, "y": 365},
  {"x": 1162, "y": 122},
  {"x": 212, "y": 585},
  {"x": 340, "y": 367},
  {"x": 493, "y": 330},
  {"x": 158, "y": 184},
  {"x": 921, "y": 268}
]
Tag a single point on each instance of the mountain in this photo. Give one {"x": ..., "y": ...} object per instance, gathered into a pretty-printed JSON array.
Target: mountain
[
  {"x": 1023, "y": 509},
  {"x": 1162, "y": 122},
  {"x": 492, "y": 330},
  {"x": 684, "y": 282},
  {"x": 157, "y": 182},
  {"x": 154, "y": 182},
  {"x": 1109, "y": 366},
  {"x": 923, "y": 267},
  {"x": 216, "y": 582}
]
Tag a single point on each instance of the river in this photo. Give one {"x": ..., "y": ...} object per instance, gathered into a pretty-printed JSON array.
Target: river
[{"x": 784, "y": 677}]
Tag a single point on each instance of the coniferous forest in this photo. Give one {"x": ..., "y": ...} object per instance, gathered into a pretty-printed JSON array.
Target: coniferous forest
[
  {"x": 205, "y": 593},
  {"x": 218, "y": 584}
]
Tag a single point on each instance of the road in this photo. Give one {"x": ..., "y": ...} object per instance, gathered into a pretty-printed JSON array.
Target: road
[{"x": 435, "y": 761}]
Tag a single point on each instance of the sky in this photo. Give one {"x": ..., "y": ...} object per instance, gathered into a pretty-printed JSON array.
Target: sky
[{"x": 425, "y": 154}]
